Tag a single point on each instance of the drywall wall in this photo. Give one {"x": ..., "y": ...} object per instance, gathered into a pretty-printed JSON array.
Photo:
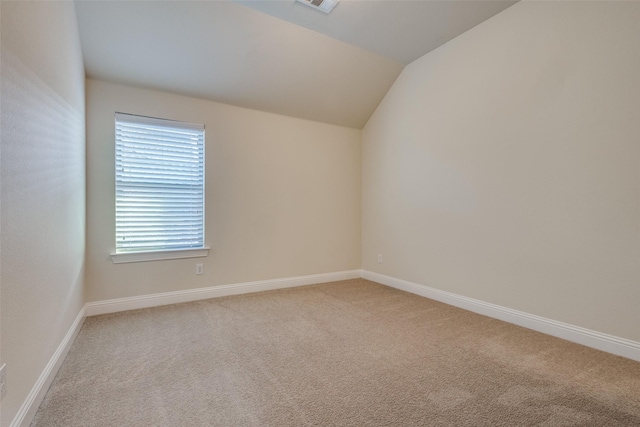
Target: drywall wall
[
  {"x": 505, "y": 166},
  {"x": 42, "y": 189},
  {"x": 282, "y": 195}
]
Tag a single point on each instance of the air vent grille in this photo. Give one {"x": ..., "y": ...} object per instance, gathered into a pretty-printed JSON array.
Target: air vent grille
[{"x": 324, "y": 5}]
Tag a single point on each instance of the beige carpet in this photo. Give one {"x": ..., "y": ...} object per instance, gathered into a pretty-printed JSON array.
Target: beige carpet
[{"x": 351, "y": 353}]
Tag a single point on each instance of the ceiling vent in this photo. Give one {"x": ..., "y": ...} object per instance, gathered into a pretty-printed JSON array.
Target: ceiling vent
[{"x": 324, "y": 5}]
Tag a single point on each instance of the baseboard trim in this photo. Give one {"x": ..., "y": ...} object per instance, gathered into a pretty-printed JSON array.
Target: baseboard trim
[
  {"x": 154, "y": 300},
  {"x": 609, "y": 343},
  {"x": 31, "y": 404}
]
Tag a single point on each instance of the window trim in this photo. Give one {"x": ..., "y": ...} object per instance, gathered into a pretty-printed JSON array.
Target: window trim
[
  {"x": 126, "y": 257},
  {"x": 143, "y": 255}
]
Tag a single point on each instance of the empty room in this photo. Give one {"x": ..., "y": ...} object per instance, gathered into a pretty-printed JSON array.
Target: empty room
[{"x": 320, "y": 212}]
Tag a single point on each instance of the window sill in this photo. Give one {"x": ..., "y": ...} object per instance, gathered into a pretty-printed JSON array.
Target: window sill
[{"x": 119, "y": 258}]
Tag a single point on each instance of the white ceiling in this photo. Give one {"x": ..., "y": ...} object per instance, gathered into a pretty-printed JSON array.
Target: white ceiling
[
  {"x": 401, "y": 30},
  {"x": 278, "y": 56}
]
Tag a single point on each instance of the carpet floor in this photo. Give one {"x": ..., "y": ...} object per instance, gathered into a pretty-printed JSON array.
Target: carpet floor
[{"x": 351, "y": 353}]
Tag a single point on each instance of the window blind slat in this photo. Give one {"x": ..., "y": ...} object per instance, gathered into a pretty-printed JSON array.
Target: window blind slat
[{"x": 138, "y": 140}]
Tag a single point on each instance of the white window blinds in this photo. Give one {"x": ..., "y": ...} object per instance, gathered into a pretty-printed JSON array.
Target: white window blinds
[{"x": 159, "y": 184}]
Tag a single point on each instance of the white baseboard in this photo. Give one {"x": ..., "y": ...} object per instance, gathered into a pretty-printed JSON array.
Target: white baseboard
[
  {"x": 154, "y": 300},
  {"x": 31, "y": 404},
  {"x": 609, "y": 343}
]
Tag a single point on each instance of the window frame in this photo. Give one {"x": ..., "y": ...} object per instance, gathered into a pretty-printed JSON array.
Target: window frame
[{"x": 141, "y": 254}]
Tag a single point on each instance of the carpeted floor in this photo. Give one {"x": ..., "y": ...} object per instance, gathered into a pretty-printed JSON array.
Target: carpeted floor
[{"x": 351, "y": 353}]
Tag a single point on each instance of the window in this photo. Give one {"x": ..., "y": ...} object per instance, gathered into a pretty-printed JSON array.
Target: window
[{"x": 159, "y": 189}]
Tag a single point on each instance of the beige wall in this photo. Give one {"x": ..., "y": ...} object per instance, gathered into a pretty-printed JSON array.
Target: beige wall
[
  {"x": 43, "y": 189},
  {"x": 505, "y": 166},
  {"x": 282, "y": 195}
]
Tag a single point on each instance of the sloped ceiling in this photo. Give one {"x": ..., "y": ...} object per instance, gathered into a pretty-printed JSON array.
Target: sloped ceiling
[{"x": 277, "y": 56}]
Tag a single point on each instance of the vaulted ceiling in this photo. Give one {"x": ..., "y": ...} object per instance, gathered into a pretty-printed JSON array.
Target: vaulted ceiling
[{"x": 278, "y": 56}]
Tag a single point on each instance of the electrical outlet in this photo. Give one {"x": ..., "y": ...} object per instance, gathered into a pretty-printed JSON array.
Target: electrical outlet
[
  {"x": 3, "y": 380},
  {"x": 199, "y": 269},
  {"x": 380, "y": 258}
]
